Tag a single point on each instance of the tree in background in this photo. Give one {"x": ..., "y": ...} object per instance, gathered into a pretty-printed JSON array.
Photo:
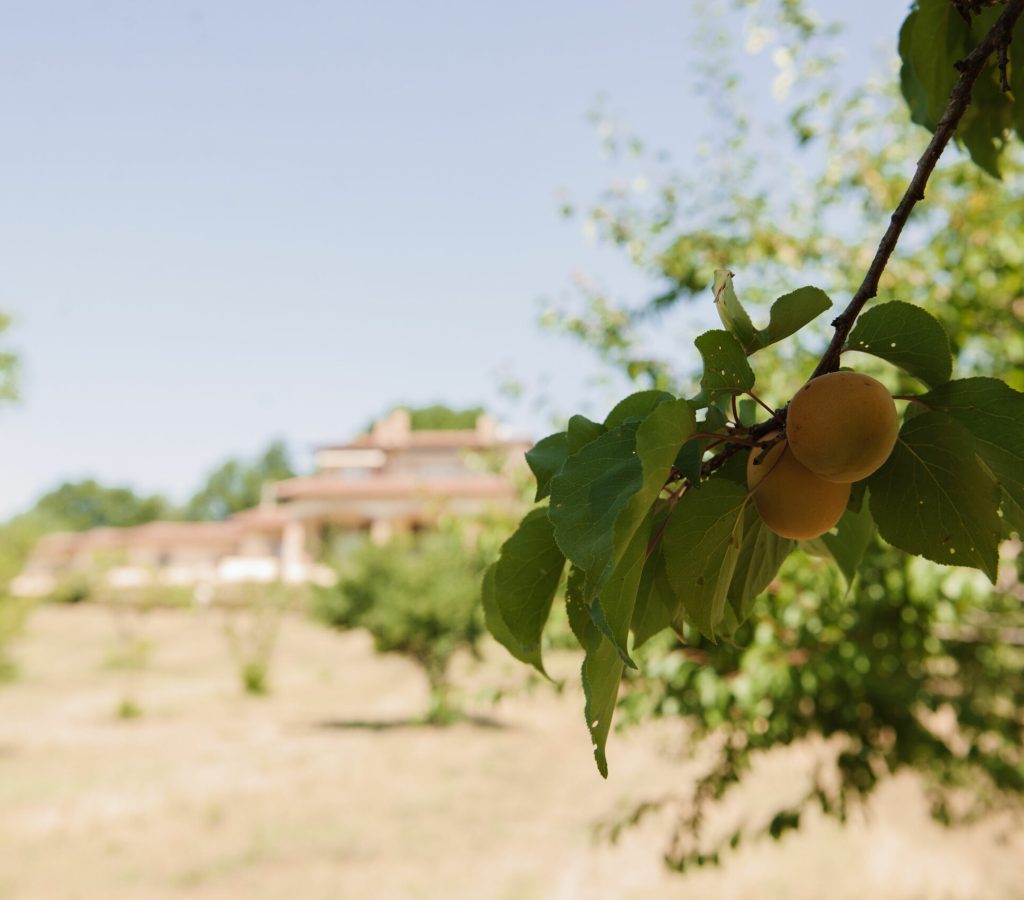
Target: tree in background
[
  {"x": 439, "y": 417},
  {"x": 8, "y": 366},
  {"x": 900, "y": 663},
  {"x": 78, "y": 506},
  {"x": 74, "y": 506},
  {"x": 237, "y": 484},
  {"x": 418, "y": 596},
  {"x": 443, "y": 418}
]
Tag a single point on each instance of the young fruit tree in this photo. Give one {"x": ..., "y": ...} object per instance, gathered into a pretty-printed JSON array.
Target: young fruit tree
[
  {"x": 669, "y": 520},
  {"x": 418, "y": 597}
]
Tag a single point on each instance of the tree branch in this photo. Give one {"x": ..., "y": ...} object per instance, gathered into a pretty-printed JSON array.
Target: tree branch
[
  {"x": 996, "y": 41},
  {"x": 959, "y": 99}
]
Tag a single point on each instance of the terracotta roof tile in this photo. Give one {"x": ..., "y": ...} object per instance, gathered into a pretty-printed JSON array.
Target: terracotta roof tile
[{"x": 388, "y": 486}]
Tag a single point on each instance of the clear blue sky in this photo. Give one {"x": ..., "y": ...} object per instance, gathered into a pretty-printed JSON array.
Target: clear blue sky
[{"x": 226, "y": 221}]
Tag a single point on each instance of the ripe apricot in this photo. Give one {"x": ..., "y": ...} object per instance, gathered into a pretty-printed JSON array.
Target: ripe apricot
[
  {"x": 842, "y": 426},
  {"x": 792, "y": 500}
]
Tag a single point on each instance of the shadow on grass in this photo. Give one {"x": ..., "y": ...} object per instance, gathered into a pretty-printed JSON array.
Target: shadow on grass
[{"x": 396, "y": 724}]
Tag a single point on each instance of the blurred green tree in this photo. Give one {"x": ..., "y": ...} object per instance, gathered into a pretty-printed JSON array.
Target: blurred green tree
[
  {"x": 237, "y": 484},
  {"x": 77, "y": 506},
  {"x": 8, "y": 366},
  {"x": 418, "y": 596}
]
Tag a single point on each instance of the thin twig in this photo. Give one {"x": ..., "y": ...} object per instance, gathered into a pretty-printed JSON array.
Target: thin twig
[
  {"x": 959, "y": 99},
  {"x": 996, "y": 41}
]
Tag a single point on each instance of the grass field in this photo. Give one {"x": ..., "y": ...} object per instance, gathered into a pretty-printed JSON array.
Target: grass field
[{"x": 327, "y": 789}]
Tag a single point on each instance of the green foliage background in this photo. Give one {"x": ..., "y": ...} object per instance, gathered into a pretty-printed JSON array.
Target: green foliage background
[{"x": 418, "y": 596}]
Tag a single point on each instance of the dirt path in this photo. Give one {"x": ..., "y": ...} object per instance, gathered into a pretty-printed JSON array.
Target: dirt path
[{"x": 323, "y": 789}]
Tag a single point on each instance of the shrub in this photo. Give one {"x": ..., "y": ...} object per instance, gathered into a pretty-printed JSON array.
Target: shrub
[{"x": 417, "y": 596}]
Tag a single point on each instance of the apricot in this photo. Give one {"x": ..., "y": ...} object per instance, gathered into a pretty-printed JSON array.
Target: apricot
[
  {"x": 842, "y": 426},
  {"x": 792, "y": 500}
]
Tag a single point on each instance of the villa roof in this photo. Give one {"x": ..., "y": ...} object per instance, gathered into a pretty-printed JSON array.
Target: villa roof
[
  {"x": 430, "y": 440},
  {"x": 390, "y": 486}
]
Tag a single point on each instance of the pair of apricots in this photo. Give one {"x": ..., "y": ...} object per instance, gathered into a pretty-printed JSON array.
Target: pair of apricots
[{"x": 839, "y": 429}]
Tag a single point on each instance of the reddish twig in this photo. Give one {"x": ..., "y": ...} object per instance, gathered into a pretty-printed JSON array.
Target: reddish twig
[{"x": 959, "y": 99}]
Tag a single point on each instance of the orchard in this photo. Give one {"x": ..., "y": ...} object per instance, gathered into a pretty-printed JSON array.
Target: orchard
[{"x": 674, "y": 527}]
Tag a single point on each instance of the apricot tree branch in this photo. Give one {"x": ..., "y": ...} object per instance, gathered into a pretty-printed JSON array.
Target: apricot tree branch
[{"x": 997, "y": 39}]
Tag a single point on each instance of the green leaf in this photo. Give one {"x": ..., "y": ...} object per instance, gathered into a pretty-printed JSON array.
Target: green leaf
[
  {"x": 993, "y": 413},
  {"x": 602, "y": 673},
  {"x": 913, "y": 90},
  {"x": 933, "y": 499},
  {"x": 983, "y": 128},
  {"x": 499, "y": 630},
  {"x": 581, "y": 432},
  {"x": 702, "y": 543},
  {"x": 791, "y": 312},
  {"x": 636, "y": 406},
  {"x": 906, "y": 336},
  {"x": 761, "y": 553},
  {"x": 937, "y": 40},
  {"x": 734, "y": 317},
  {"x": 576, "y": 604},
  {"x": 726, "y": 370},
  {"x": 689, "y": 459},
  {"x": 526, "y": 577},
  {"x": 857, "y": 491},
  {"x": 847, "y": 542},
  {"x": 588, "y": 494},
  {"x": 1017, "y": 86},
  {"x": 546, "y": 459},
  {"x": 612, "y": 610},
  {"x": 932, "y": 39},
  {"x": 659, "y": 439},
  {"x": 655, "y": 602},
  {"x": 990, "y": 115}
]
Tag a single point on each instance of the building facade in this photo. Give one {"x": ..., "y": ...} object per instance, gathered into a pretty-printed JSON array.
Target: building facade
[{"x": 389, "y": 481}]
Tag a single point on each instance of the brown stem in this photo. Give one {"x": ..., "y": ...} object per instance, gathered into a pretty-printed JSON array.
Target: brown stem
[
  {"x": 996, "y": 41},
  {"x": 959, "y": 99}
]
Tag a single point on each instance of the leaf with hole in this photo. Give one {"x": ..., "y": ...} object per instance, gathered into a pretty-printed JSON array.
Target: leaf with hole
[
  {"x": 906, "y": 336},
  {"x": 932, "y": 498},
  {"x": 993, "y": 413},
  {"x": 588, "y": 494},
  {"x": 726, "y": 370}
]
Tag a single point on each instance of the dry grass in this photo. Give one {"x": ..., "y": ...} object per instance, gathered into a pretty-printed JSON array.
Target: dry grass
[{"x": 322, "y": 789}]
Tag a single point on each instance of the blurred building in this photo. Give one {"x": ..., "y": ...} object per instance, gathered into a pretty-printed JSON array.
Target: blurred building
[{"x": 392, "y": 480}]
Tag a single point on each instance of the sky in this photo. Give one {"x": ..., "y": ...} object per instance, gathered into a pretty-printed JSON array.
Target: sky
[{"x": 226, "y": 222}]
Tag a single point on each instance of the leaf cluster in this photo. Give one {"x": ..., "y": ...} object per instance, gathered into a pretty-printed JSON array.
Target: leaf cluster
[
  {"x": 935, "y": 38},
  {"x": 915, "y": 667},
  {"x": 650, "y": 512},
  {"x": 418, "y": 596}
]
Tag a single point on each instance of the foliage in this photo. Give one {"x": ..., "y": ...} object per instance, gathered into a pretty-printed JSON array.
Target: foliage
[
  {"x": 253, "y": 615},
  {"x": 8, "y": 366},
  {"x": 418, "y": 597},
  {"x": 439, "y": 417},
  {"x": 13, "y": 612},
  {"x": 237, "y": 484},
  {"x": 78, "y": 506},
  {"x": 17, "y": 538},
  {"x": 915, "y": 667},
  {"x": 445, "y": 418},
  {"x": 74, "y": 588},
  {"x": 934, "y": 38},
  {"x": 649, "y": 509}
]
